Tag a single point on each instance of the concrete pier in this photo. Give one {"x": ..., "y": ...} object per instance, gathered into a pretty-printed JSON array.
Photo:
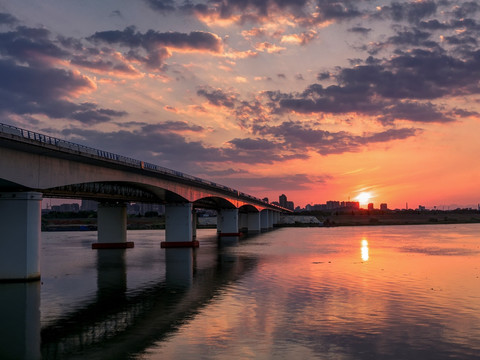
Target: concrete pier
[
  {"x": 264, "y": 217},
  {"x": 179, "y": 226},
  {"x": 254, "y": 222},
  {"x": 20, "y": 235},
  {"x": 227, "y": 222},
  {"x": 112, "y": 227}
]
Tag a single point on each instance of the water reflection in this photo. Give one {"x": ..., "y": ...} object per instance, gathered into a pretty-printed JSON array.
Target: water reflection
[
  {"x": 111, "y": 273},
  {"x": 180, "y": 266},
  {"x": 364, "y": 250},
  {"x": 264, "y": 297},
  {"x": 20, "y": 321}
]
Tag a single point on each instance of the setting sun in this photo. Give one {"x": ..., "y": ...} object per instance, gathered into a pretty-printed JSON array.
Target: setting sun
[{"x": 364, "y": 198}]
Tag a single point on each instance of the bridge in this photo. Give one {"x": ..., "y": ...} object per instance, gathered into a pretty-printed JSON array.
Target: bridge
[{"x": 34, "y": 166}]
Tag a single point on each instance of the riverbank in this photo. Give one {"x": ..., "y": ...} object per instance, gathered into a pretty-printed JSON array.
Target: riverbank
[
  {"x": 413, "y": 217},
  {"x": 355, "y": 218}
]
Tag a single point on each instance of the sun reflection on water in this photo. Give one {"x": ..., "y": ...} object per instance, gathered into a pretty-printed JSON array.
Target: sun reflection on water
[{"x": 364, "y": 250}]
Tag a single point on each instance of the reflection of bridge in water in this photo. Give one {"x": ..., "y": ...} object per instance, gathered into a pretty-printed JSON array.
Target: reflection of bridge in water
[{"x": 122, "y": 324}]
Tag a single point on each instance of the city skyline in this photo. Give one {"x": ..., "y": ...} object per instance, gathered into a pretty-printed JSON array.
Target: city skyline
[{"x": 316, "y": 99}]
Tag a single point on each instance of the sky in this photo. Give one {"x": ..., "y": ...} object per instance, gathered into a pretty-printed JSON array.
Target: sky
[{"x": 316, "y": 99}]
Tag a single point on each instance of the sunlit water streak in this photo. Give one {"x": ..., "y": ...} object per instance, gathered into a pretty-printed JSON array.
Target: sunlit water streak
[{"x": 398, "y": 292}]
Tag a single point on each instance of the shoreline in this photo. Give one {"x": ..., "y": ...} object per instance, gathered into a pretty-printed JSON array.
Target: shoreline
[{"x": 358, "y": 218}]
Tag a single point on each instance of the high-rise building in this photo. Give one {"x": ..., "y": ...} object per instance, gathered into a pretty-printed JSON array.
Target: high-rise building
[
  {"x": 282, "y": 199},
  {"x": 383, "y": 206},
  {"x": 89, "y": 205},
  {"x": 370, "y": 206}
]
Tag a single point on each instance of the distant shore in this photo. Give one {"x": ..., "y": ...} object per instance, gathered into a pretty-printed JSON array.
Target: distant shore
[
  {"x": 404, "y": 217},
  {"x": 305, "y": 219}
]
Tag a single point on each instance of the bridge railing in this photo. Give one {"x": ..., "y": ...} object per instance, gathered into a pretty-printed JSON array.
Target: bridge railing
[{"x": 46, "y": 139}]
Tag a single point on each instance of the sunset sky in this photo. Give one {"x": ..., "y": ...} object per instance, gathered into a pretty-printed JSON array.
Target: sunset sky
[{"x": 317, "y": 99}]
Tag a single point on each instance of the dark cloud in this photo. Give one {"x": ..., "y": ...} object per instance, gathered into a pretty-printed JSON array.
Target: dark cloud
[
  {"x": 195, "y": 40},
  {"x": 288, "y": 182},
  {"x": 8, "y": 19},
  {"x": 258, "y": 11},
  {"x": 30, "y": 45},
  {"x": 253, "y": 144},
  {"x": 412, "y": 37},
  {"x": 163, "y": 6},
  {"x": 156, "y": 44},
  {"x": 337, "y": 10},
  {"x": 466, "y": 9},
  {"x": 411, "y": 11},
  {"x": 173, "y": 126},
  {"x": 101, "y": 65},
  {"x": 218, "y": 97},
  {"x": 414, "y": 111},
  {"x": 297, "y": 135},
  {"x": 34, "y": 87},
  {"x": 41, "y": 84},
  {"x": 360, "y": 30},
  {"x": 389, "y": 89}
]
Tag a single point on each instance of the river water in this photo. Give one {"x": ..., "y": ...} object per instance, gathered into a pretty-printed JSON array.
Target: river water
[{"x": 380, "y": 292}]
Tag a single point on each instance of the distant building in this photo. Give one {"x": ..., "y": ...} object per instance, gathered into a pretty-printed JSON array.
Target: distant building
[
  {"x": 285, "y": 203},
  {"x": 265, "y": 199},
  {"x": 383, "y": 206},
  {"x": 370, "y": 206},
  {"x": 421, "y": 207},
  {"x": 331, "y": 205},
  {"x": 89, "y": 205},
  {"x": 66, "y": 208},
  {"x": 352, "y": 204}
]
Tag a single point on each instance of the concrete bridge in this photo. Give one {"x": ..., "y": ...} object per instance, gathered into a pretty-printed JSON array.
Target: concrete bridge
[{"x": 34, "y": 166}]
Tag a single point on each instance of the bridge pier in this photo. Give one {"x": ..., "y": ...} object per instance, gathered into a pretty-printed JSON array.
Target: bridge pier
[
  {"x": 227, "y": 222},
  {"x": 179, "y": 226},
  {"x": 20, "y": 229},
  {"x": 112, "y": 226},
  {"x": 242, "y": 222},
  {"x": 264, "y": 217},
  {"x": 254, "y": 222}
]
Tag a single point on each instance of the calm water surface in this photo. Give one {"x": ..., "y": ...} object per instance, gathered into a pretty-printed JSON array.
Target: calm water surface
[{"x": 397, "y": 292}]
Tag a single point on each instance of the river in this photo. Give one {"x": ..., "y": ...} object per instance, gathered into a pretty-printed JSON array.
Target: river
[{"x": 373, "y": 292}]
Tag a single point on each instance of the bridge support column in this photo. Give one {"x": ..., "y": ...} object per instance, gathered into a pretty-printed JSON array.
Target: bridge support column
[
  {"x": 112, "y": 227},
  {"x": 20, "y": 229},
  {"x": 242, "y": 222},
  {"x": 227, "y": 222},
  {"x": 254, "y": 222},
  {"x": 178, "y": 226},
  {"x": 264, "y": 220},
  {"x": 270, "y": 219}
]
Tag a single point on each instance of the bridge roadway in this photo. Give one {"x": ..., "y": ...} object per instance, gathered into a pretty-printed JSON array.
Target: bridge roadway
[{"x": 33, "y": 166}]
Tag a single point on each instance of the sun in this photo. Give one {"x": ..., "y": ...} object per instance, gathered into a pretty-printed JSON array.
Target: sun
[{"x": 364, "y": 198}]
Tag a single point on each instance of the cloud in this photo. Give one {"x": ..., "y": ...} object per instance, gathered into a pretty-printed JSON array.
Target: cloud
[
  {"x": 298, "y": 135},
  {"x": 157, "y": 45},
  {"x": 173, "y": 126},
  {"x": 31, "y": 46},
  {"x": 302, "y": 12},
  {"x": 163, "y": 6},
  {"x": 360, "y": 30},
  {"x": 281, "y": 183},
  {"x": 8, "y": 19},
  {"x": 412, "y": 11},
  {"x": 32, "y": 85},
  {"x": 389, "y": 89},
  {"x": 218, "y": 97},
  {"x": 253, "y": 144},
  {"x": 195, "y": 40}
]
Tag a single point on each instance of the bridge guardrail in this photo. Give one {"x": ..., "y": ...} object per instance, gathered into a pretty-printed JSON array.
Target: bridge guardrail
[{"x": 46, "y": 139}]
